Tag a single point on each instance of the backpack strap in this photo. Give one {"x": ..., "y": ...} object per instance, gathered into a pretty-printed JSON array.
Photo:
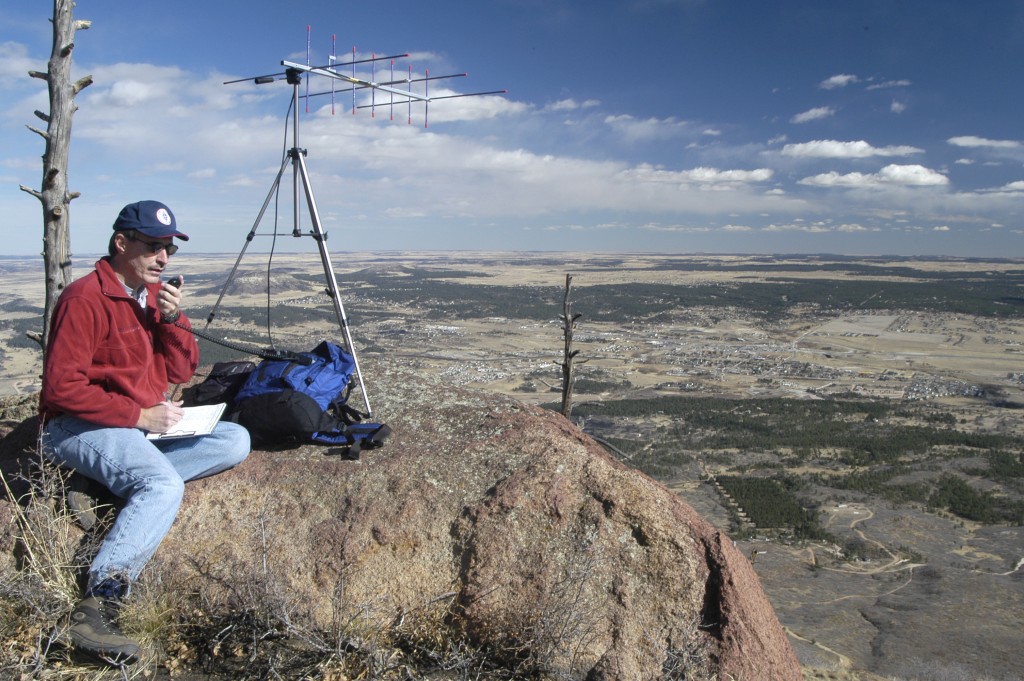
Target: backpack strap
[
  {"x": 346, "y": 413},
  {"x": 265, "y": 366},
  {"x": 355, "y": 438}
]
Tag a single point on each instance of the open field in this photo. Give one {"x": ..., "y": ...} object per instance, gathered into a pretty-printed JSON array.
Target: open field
[{"x": 912, "y": 371}]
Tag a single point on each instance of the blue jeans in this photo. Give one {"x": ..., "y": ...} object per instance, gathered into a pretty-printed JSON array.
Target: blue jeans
[{"x": 149, "y": 475}]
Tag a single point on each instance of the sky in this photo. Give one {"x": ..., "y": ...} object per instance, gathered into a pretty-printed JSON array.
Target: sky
[{"x": 853, "y": 127}]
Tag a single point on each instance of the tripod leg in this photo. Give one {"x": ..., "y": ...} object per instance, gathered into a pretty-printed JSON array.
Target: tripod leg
[
  {"x": 248, "y": 240},
  {"x": 332, "y": 282}
]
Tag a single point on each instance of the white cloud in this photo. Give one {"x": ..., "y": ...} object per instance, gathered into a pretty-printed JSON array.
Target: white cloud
[
  {"x": 447, "y": 175},
  {"x": 563, "y": 105},
  {"x": 840, "y": 80},
  {"x": 15, "y": 64},
  {"x": 633, "y": 129},
  {"x": 571, "y": 105},
  {"x": 911, "y": 175},
  {"x": 897, "y": 107},
  {"x": 472, "y": 108},
  {"x": 681, "y": 229},
  {"x": 176, "y": 166},
  {"x": 241, "y": 181},
  {"x": 404, "y": 213},
  {"x": 837, "y": 149},
  {"x": 818, "y": 227},
  {"x": 714, "y": 175},
  {"x": 706, "y": 178},
  {"x": 813, "y": 114},
  {"x": 851, "y": 228},
  {"x": 22, "y": 163},
  {"x": 800, "y": 226},
  {"x": 972, "y": 141},
  {"x": 1011, "y": 187},
  {"x": 889, "y": 84},
  {"x": 890, "y": 175},
  {"x": 119, "y": 88}
]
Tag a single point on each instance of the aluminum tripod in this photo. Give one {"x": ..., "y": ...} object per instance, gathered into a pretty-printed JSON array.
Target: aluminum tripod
[{"x": 296, "y": 157}]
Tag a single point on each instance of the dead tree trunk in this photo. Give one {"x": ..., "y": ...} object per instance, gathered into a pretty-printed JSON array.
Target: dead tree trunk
[
  {"x": 569, "y": 355},
  {"x": 53, "y": 193}
]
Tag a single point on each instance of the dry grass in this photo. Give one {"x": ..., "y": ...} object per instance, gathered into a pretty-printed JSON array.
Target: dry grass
[{"x": 51, "y": 557}]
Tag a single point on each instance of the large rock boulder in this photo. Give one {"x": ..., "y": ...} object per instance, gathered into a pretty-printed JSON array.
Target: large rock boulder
[
  {"x": 544, "y": 540},
  {"x": 540, "y": 542}
]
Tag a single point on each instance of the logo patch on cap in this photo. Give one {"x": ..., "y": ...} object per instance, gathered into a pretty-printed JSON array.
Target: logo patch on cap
[{"x": 163, "y": 216}]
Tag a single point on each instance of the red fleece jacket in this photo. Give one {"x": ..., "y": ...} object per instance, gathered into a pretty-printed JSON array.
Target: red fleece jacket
[{"x": 107, "y": 358}]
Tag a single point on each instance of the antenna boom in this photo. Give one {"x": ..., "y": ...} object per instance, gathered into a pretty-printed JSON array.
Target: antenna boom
[
  {"x": 331, "y": 73},
  {"x": 434, "y": 99}
]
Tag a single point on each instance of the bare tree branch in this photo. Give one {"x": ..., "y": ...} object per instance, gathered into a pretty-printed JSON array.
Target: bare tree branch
[
  {"x": 81, "y": 84},
  {"x": 31, "y": 191}
]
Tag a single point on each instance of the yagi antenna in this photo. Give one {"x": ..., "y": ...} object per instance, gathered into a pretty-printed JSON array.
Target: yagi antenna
[
  {"x": 393, "y": 86},
  {"x": 400, "y": 91}
]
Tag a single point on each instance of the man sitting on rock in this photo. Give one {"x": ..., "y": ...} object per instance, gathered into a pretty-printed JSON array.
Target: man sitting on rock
[{"x": 117, "y": 340}]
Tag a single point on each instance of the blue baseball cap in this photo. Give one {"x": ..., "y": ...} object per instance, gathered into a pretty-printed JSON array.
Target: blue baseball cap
[{"x": 151, "y": 218}]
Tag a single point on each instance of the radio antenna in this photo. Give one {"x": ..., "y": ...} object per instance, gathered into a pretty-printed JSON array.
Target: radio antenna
[{"x": 400, "y": 91}]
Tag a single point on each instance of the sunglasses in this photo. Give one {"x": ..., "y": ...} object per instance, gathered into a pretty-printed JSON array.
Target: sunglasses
[{"x": 154, "y": 246}]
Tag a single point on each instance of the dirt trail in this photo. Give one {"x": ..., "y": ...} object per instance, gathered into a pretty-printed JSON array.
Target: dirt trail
[
  {"x": 844, "y": 662},
  {"x": 895, "y": 562}
]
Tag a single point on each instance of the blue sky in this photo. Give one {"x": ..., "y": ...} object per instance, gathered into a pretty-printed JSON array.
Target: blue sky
[{"x": 677, "y": 126}]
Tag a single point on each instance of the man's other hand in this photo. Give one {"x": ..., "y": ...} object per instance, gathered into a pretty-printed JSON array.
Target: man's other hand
[{"x": 160, "y": 417}]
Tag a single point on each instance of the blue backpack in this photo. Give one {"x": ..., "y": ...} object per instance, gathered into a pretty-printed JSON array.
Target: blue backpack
[{"x": 304, "y": 398}]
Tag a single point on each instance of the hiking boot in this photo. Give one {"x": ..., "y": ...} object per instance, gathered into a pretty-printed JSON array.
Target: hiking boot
[
  {"x": 89, "y": 501},
  {"x": 94, "y": 631},
  {"x": 81, "y": 500}
]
